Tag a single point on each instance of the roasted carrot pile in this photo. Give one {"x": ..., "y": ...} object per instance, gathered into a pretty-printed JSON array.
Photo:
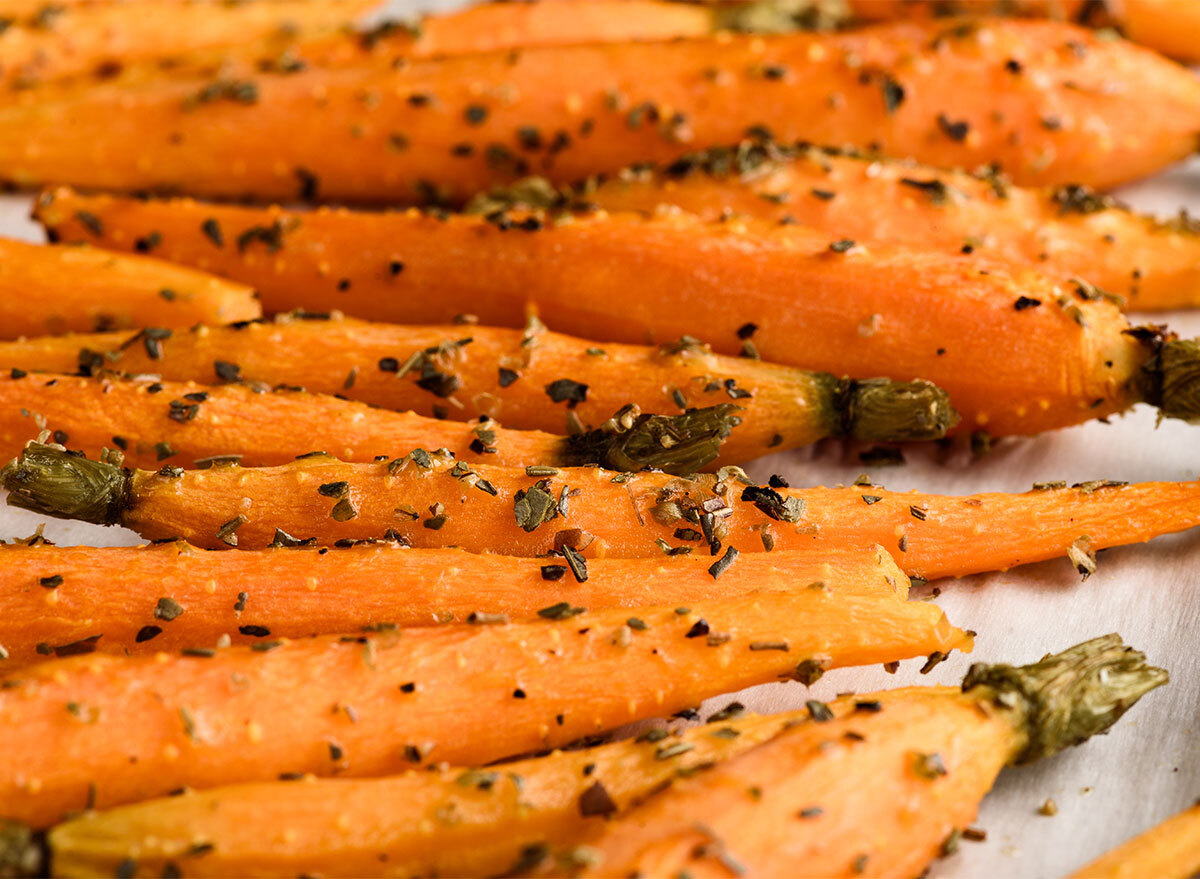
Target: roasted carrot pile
[
  {"x": 425, "y": 355},
  {"x": 1017, "y": 351},
  {"x": 779, "y": 795}
]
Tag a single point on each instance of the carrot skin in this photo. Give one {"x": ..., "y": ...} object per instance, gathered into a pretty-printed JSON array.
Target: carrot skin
[
  {"x": 598, "y": 512},
  {"x": 1066, "y": 231},
  {"x": 352, "y": 825},
  {"x": 95, "y": 38},
  {"x": 247, "y": 715},
  {"x": 501, "y": 374},
  {"x": 1170, "y": 850},
  {"x": 83, "y": 289},
  {"x": 250, "y": 597},
  {"x": 611, "y": 115},
  {"x": 1010, "y": 367}
]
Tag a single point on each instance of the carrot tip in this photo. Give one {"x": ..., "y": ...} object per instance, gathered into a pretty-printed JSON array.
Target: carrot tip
[
  {"x": 1071, "y": 696},
  {"x": 49, "y": 480},
  {"x": 630, "y": 441}
]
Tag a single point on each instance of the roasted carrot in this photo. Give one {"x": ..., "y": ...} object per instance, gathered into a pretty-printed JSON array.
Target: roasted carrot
[
  {"x": 153, "y": 421},
  {"x": 376, "y": 704},
  {"x": 61, "y": 289},
  {"x": 174, "y": 595},
  {"x": 1169, "y": 851},
  {"x": 1017, "y": 351},
  {"x": 881, "y": 787},
  {"x": 1068, "y": 231},
  {"x": 930, "y": 91},
  {"x": 1168, "y": 26},
  {"x": 434, "y": 501},
  {"x": 533, "y": 380},
  {"x": 501, "y": 818},
  {"x": 100, "y": 38}
]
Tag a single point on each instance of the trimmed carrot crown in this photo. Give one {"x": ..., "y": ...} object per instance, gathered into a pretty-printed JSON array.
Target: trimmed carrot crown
[
  {"x": 1068, "y": 697},
  {"x": 50, "y": 480}
]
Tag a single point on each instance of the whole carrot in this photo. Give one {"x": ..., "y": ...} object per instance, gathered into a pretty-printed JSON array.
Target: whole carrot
[
  {"x": 1067, "y": 231},
  {"x": 82, "y": 289},
  {"x": 432, "y": 500},
  {"x": 187, "y": 425},
  {"x": 500, "y": 818},
  {"x": 376, "y": 704},
  {"x": 533, "y": 380},
  {"x": 1082, "y": 110},
  {"x": 1017, "y": 351},
  {"x": 60, "y": 601},
  {"x": 1170, "y": 850},
  {"x": 879, "y": 788}
]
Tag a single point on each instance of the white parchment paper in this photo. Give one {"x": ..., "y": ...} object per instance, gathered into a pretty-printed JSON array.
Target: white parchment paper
[{"x": 1111, "y": 788}]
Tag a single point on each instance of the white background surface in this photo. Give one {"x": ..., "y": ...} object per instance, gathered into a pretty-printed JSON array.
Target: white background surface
[{"x": 1114, "y": 786}]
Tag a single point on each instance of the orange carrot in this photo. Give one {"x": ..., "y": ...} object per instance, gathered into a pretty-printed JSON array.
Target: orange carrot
[
  {"x": 61, "y": 289},
  {"x": 196, "y": 425},
  {"x": 1069, "y": 231},
  {"x": 350, "y": 827},
  {"x": 1169, "y": 851},
  {"x": 939, "y": 93},
  {"x": 588, "y": 512},
  {"x": 100, "y": 38},
  {"x": 880, "y": 788},
  {"x": 375, "y": 704},
  {"x": 533, "y": 380},
  {"x": 1168, "y": 26},
  {"x": 1017, "y": 351},
  {"x": 174, "y": 596}
]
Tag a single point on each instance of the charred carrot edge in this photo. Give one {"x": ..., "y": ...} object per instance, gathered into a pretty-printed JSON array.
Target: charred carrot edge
[
  {"x": 910, "y": 764},
  {"x": 1168, "y": 26},
  {"x": 152, "y": 421},
  {"x": 502, "y": 817},
  {"x": 98, "y": 39},
  {"x": 60, "y": 601},
  {"x": 568, "y": 112},
  {"x": 532, "y": 380},
  {"x": 213, "y": 717},
  {"x": 432, "y": 500},
  {"x": 1017, "y": 351},
  {"x": 1068, "y": 231},
  {"x": 83, "y": 289},
  {"x": 1170, "y": 850}
]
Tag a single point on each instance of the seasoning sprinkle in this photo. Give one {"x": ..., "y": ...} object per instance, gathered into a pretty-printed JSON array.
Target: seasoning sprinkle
[
  {"x": 576, "y": 562},
  {"x": 721, "y": 565},
  {"x": 168, "y": 609},
  {"x": 819, "y": 711},
  {"x": 561, "y": 611},
  {"x": 596, "y": 801},
  {"x": 51, "y": 582}
]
